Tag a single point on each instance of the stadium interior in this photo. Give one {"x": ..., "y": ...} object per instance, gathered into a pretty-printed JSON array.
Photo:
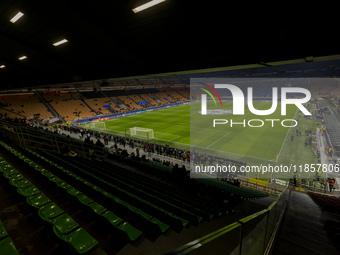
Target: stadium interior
[{"x": 71, "y": 185}]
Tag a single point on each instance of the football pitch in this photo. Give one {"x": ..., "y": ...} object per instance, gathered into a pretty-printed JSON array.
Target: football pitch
[{"x": 183, "y": 126}]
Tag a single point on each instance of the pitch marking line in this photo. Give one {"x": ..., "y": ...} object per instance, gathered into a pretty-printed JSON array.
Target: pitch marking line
[
  {"x": 218, "y": 140},
  {"x": 284, "y": 141},
  {"x": 175, "y": 136}
]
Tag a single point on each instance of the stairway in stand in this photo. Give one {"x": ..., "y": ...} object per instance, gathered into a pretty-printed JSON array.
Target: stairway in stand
[{"x": 302, "y": 230}]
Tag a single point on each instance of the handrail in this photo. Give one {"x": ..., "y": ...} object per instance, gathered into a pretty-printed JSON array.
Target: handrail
[
  {"x": 198, "y": 243},
  {"x": 193, "y": 245}
]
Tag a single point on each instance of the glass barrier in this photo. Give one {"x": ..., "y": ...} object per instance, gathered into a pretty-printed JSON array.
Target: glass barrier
[
  {"x": 226, "y": 243},
  {"x": 250, "y": 235}
]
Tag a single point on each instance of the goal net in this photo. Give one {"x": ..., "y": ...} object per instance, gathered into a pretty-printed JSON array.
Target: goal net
[
  {"x": 98, "y": 125},
  {"x": 142, "y": 132}
]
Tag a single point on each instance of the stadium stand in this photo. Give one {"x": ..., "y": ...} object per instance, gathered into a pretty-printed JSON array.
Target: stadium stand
[
  {"x": 97, "y": 104},
  {"x": 134, "y": 207},
  {"x": 119, "y": 200},
  {"x": 23, "y": 105},
  {"x": 74, "y": 105},
  {"x": 179, "y": 94},
  {"x": 4, "y": 113},
  {"x": 326, "y": 202},
  {"x": 66, "y": 106}
]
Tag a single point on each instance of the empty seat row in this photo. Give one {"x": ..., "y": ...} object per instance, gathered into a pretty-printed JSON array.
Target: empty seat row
[
  {"x": 38, "y": 200},
  {"x": 120, "y": 195},
  {"x": 63, "y": 225},
  {"x": 137, "y": 187},
  {"x": 153, "y": 187},
  {"x": 138, "y": 212},
  {"x": 243, "y": 193},
  {"x": 132, "y": 233},
  {"x": 326, "y": 202},
  {"x": 142, "y": 196}
]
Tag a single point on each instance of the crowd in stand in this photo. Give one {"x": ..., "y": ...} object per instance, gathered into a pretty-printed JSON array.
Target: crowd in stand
[{"x": 94, "y": 146}]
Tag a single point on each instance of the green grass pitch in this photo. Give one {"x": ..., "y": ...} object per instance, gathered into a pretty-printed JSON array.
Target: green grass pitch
[{"x": 179, "y": 126}]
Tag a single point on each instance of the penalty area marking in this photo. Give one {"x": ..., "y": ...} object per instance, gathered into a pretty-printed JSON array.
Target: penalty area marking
[
  {"x": 218, "y": 140},
  {"x": 175, "y": 136}
]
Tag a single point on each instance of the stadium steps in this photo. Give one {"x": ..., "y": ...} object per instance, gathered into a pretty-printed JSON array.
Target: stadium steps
[
  {"x": 48, "y": 106},
  {"x": 86, "y": 104},
  {"x": 6, "y": 244},
  {"x": 111, "y": 237},
  {"x": 302, "y": 230},
  {"x": 114, "y": 101}
]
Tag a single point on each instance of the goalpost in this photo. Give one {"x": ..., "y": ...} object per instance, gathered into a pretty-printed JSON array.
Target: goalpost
[
  {"x": 98, "y": 124},
  {"x": 146, "y": 133}
]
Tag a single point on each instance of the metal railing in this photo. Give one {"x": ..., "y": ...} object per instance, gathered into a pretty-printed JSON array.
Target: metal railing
[
  {"x": 254, "y": 234},
  {"x": 275, "y": 190},
  {"x": 37, "y": 138}
]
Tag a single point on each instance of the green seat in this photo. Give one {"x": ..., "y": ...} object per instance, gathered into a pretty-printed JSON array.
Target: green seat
[
  {"x": 3, "y": 232},
  {"x": 162, "y": 226},
  {"x": 49, "y": 211},
  {"x": 64, "y": 185},
  {"x": 21, "y": 183},
  {"x": 7, "y": 247},
  {"x": 64, "y": 224},
  {"x": 97, "y": 188},
  {"x": 80, "y": 179},
  {"x": 97, "y": 208},
  {"x": 84, "y": 199},
  {"x": 56, "y": 179},
  {"x": 131, "y": 207},
  {"x": 29, "y": 191},
  {"x": 40, "y": 168},
  {"x": 38, "y": 200},
  {"x": 74, "y": 192},
  {"x": 183, "y": 221},
  {"x": 180, "y": 220},
  {"x": 80, "y": 241},
  {"x": 132, "y": 233},
  {"x": 10, "y": 171},
  {"x": 7, "y": 167},
  {"x": 48, "y": 174},
  {"x": 112, "y": 218},
  {"x": 14, "y": 177}
]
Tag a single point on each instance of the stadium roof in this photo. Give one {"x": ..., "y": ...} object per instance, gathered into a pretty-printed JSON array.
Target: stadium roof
[{"x": 106, "y": 39}]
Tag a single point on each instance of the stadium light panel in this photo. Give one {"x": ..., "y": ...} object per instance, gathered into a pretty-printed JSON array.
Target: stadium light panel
[
  {"x": 2, "y": 66},
  {"x": 23, "y": 57},
  {"x": 60, "y": 42},
  {"x": 16, "y": 17},
  {"x": 147, "y": 5}
]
